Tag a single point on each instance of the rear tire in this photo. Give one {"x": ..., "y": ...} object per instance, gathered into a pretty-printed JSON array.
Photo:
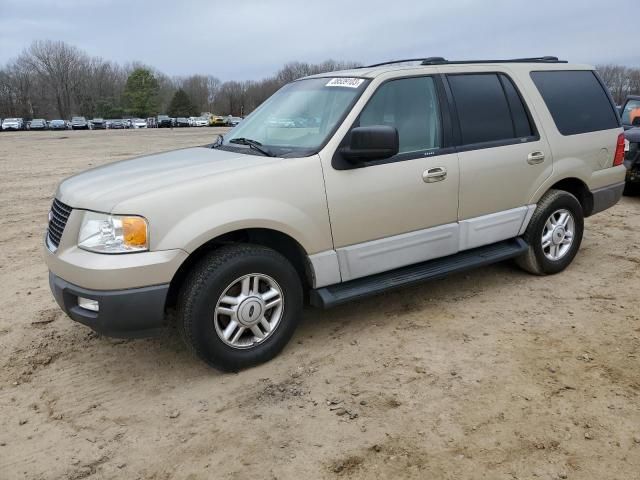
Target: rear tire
[
  {"x": 554, "y": 234},
  {"x": 232, "y": 327}
]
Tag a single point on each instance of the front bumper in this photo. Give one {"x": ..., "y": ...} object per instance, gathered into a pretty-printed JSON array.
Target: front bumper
[{"x": 130, "y": 313}]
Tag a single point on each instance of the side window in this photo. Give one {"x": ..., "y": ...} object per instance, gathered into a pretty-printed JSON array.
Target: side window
[
  {"x": 576, "y": 100},
  {"x": 410, "y": 105},
  {"x": 483, "y": 111},
  {"x": 521, "y": 122}
]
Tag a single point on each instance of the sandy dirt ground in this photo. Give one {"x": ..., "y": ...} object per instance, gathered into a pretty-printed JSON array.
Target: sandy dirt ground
[{"x": 491, "y": 374}]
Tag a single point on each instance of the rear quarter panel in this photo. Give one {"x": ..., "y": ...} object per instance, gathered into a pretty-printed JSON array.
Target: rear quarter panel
[{"x": 586, "y": 156}]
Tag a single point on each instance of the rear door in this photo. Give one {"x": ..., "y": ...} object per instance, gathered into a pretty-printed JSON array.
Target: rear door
[{"x": 503, "y": 157}]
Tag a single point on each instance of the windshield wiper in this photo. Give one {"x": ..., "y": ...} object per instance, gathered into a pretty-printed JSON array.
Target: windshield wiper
[
  {"x": 218, "y": 142},
  {"x": 253, "y": 144}
]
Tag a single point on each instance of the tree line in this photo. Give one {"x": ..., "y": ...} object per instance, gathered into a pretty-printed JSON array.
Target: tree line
[
  {"x": 621, "y": 80},
  {"x": 53, "y": 79}
]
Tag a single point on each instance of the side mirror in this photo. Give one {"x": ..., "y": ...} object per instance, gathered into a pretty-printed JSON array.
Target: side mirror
[
  {"x": 371, "y": 143},
  {"x": 636, "y": 122}
]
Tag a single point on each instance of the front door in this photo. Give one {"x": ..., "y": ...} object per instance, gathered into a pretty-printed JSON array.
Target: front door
[{"x": 394, "y": 212}]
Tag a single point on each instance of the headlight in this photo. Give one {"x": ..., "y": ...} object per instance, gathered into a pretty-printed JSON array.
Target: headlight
[{"x": 105, "y": 233}]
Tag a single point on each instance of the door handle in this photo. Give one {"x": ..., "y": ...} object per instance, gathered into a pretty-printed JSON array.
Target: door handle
[
  {"x": 535, "y": 157},
  {"x": 435, "y": 174}
]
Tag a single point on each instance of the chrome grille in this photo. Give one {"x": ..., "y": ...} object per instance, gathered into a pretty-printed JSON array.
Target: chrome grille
[{"x": 57, "y": 220}]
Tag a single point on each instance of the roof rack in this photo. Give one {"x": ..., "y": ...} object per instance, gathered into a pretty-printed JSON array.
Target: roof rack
[{"x": 443, "y": 61}]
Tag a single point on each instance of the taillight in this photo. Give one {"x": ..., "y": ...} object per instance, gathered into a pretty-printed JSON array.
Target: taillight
[{"x": 618, "y": 158}]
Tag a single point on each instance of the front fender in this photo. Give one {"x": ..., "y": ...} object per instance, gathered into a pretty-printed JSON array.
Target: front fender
[{"x": 214, "y": 220}]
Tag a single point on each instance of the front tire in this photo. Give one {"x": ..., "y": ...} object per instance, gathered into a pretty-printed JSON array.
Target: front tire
[
  {"x": 239, "y": 306},
  {"x": 554, "y": 234}
]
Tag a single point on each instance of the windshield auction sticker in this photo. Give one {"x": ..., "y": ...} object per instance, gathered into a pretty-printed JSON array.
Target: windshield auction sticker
[{"x": 345, "y": 82}]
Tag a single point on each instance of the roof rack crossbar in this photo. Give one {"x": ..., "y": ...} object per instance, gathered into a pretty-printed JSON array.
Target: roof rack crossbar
[{"x": 443, "y": 61}]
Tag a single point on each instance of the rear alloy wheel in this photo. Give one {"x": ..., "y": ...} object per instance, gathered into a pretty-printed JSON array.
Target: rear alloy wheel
[
  {"x": 557, "y": 234},
  {"x": 554, "y": 234},
  {"x": 239, "y": 306}
]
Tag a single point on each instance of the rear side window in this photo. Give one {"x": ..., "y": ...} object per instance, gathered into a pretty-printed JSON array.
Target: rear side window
[
  {"x": 489, "y": 108},
  {"x": 577, "y": 101}
]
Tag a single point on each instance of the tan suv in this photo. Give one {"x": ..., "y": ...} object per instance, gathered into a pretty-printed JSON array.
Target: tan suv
[{"x": 339, "y": 186}]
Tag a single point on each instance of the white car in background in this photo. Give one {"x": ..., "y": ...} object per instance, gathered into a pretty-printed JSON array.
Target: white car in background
[
  {"x": 12, "y": 124},
  {"x": 200, "y": 122},
  {"x": 139, "y": 123}
]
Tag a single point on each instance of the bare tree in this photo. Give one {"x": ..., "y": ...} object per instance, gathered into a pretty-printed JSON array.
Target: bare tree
[
  {"x": 55, "y": 79},
  {"x": 59, "y": 65}
]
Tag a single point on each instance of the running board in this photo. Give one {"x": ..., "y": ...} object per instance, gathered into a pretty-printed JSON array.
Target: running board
[{"x": 340, "y": 293}]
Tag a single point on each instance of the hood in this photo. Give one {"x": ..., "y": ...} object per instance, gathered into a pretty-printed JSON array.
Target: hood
[{"x": 102, "y": 188}]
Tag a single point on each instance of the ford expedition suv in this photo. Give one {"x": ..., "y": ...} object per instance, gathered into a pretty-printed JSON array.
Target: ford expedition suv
[{"x": 402, "y": 173}]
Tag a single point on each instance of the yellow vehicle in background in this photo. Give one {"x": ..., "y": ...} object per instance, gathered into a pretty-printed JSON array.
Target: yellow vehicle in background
[{"x": 217, "y": 121}]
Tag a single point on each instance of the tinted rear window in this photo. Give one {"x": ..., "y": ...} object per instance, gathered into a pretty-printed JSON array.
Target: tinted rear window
[{"x": 577, "y": 101}]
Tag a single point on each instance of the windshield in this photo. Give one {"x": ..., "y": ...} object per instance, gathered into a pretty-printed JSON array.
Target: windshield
[
  {"x": 631, "y": 112},
  {"x": 299, "y": 118}
]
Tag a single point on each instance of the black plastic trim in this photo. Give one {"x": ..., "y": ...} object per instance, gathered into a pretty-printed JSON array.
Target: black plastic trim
[
  {"x": 130, "y": 313},
  {"x": 606, "y": 197},
  {"x": 340, "y": 293}
]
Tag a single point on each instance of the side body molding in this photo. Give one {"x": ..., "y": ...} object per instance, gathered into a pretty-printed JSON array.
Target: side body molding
[{"x": 368, "y": 258}]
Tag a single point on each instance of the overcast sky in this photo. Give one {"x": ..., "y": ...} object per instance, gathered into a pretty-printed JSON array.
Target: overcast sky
[{"x": 251, "y": 39}]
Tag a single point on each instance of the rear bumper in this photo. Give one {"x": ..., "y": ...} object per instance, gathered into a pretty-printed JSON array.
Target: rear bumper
[
  {"x": 606, "y": 197},
  {"x": 130, "y": 313}
]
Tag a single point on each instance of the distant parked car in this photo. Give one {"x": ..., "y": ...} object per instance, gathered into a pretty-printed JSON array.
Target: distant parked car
[
  {"x": 233, "y": 121},
  {"x": 218, "y": 121},
  {"x": 38, "y": 124},
  {"x": 182, "y": 122},
  {"x": 139, "y": 123},
  {"x": 117, "y": 124},
  {"x": 58, "y": 125},
  {"x": 12, "y": 124},
  {"x": 79, "y": 123},
  {"x": 98, "y": 124},
  {"x": 164, "y": 121},
  {"x": 199, "y": 122}
]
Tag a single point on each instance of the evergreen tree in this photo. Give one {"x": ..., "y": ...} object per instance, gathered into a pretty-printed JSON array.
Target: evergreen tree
[
  {"x": 141, "y": 93},
  {"x": 181, "y": 105}
]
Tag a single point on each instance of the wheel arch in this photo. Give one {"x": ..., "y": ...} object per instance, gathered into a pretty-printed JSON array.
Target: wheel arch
[
  {"x": 578, "y": 189},
  {"x": 274, "y": 239}
]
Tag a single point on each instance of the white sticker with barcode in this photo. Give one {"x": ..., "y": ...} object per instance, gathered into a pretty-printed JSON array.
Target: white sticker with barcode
[
  {"x": 345, "y": 82},
  {"x": 626, "y": 145}
]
